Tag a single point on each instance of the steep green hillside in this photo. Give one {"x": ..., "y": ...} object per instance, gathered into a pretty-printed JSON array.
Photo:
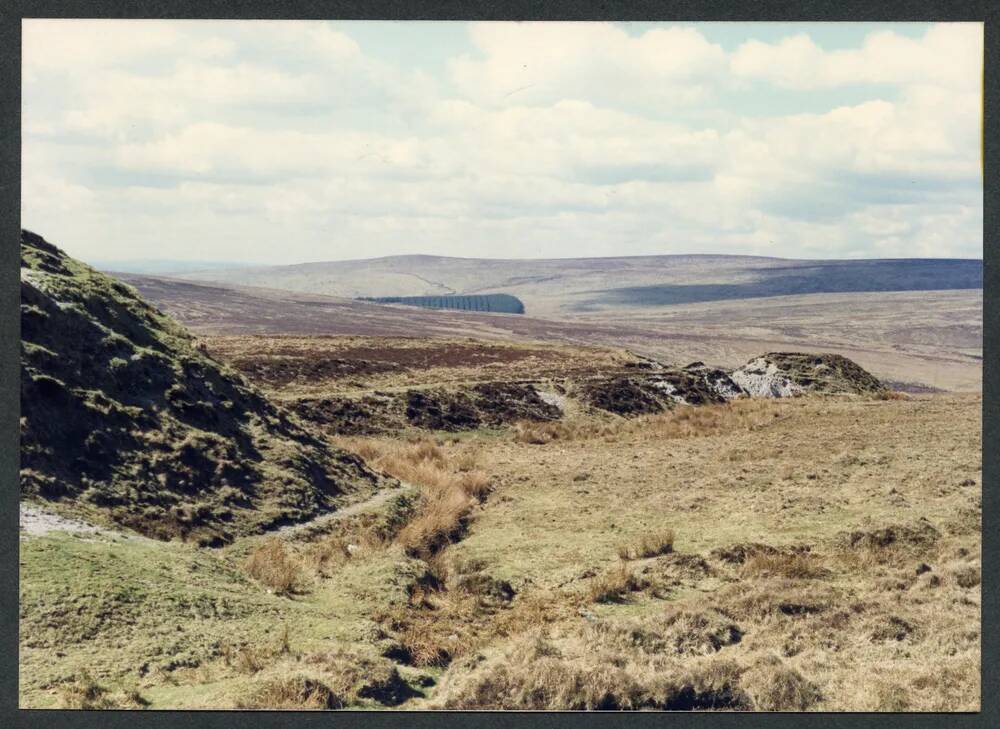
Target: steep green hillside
[{"x": 125, "y": 419}]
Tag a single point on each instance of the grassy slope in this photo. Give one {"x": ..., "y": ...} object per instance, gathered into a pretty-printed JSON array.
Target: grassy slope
[
  {"x": 779, "y": 473},
  {"x": 170, "y": 620}
]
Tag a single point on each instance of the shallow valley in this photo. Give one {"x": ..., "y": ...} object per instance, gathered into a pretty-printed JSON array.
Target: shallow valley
[{"x": 754, "y": 554}]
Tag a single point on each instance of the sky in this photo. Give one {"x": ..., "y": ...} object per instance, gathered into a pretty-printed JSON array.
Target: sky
[{"x": 294, "y": 141}]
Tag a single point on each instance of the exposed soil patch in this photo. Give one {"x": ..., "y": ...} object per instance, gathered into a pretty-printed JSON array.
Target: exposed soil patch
[
  {"x": 507, "y": 402},
  {"x": 278, "y": 361},
  {"x": 278, "y": 371},
  {"x": 440, "y": 410},
  {"x": 36, "y": 522},
  {"x": 489, "y": 404},
  {"x": 660, "y": 390},
  {"x": 365, "y": 415}
]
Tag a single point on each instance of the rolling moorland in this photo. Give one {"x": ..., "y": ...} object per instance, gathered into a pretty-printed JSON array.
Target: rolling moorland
[
  {"x": 573, "y": 286},
  {"x": 313, "y": 502},
  {"x": 914, "y": 339}
]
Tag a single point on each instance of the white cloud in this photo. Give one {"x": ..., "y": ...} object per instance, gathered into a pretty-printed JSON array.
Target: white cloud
[
  {"x": 78, "y": 46},
  {"x": 212, "y": 139},
  {"x": 207, "y": 148},
  {"x": 948, "y": 54},
  {"x": 533, "y": 63}
]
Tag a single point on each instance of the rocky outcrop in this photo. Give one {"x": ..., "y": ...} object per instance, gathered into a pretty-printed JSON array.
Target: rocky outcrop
[{"x": 786, "y": 374}]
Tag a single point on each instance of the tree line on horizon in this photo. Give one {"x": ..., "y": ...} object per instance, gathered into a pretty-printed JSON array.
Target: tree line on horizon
[{"x": 496, "y": 303}]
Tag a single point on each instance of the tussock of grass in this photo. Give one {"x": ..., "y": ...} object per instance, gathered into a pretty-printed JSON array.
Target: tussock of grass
[
  {"x": 676, "y": 631},
  {"x": 356, "y": 677},
  {"x": 441, "y": 519},
  {"x": 540, "y": 433},
  {"x": 688, "y": 421},
  {"x": 290, "y": 693},
  {"x": 968, "y": 577},
  {"x": 791, "y": 565},
  {"x": 762, "y": 599},
  {"x": 86, "y": 693},
  {"x": 649, "y": 545},
  {"x": 273, "y": 565},
  {"x": 889, "y": 395},
  {"x": 580, "y": 671},
  {"x": 249, "y": 659},
  {"x": 614, "y": 585},
  {"x": 773, "y": 686},
  {"x": 426, "y": 638}
]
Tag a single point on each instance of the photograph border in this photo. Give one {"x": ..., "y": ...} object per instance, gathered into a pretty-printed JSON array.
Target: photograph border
[{"x": 645, "y": 10}]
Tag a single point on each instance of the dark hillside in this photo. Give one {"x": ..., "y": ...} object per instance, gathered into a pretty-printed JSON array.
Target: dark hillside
[
  {"x": 125, "y": 418},
  {"x": 812, "y": 277}
]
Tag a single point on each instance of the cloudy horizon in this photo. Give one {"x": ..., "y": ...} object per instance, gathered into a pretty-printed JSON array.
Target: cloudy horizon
[{"x": 294, "y": 141}]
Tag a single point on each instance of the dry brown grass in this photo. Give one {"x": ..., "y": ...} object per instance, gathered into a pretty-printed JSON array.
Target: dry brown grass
[
  {"x": 532, "y": 611},
  {"x": 649, "y": 545},
  {"x": 274, "y": 565},
  {"x": 457, "y": 608},
  {"x": 323, "y": 556},
  {"x": 540, "y": 433},
  {"x": 773, "y": 686},
  {"x": 429, "y": 637},
  {"x": 790, "y": 565},
  {"x": 889, "y": 395},
  {"x": 450, "y": 488},
  {"x": 684, "y": 421},
  {"x": 820, "y": 611},
  {"x": 248, "y": 659},
  {"x": 614, "y": 584},
  {"x": 290, "y": 693},
  {"x": 687, "y": 421},
  {"x": 576, "y": 669},
  {"x": 442, "y": 517},
  {"x": 87, "y": 694},
  {"x": 356, "y": 676},
  {"x": 968, "y": 577}
]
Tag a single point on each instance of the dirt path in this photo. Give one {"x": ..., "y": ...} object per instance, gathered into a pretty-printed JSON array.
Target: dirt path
[{"x": 37, "y": 522}]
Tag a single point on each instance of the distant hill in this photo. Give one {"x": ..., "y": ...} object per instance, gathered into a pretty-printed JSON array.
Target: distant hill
[
  {"x": 159, "y": 266},
  {"x": 820, "y": 277},
  {"x": 933, "y": 338},
  {"x": 125, "y": 419},
  {"x": 565, "y": 286}
]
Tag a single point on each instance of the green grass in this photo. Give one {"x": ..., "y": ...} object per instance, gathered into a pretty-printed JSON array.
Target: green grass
[{"x": 157, "y": 616}]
